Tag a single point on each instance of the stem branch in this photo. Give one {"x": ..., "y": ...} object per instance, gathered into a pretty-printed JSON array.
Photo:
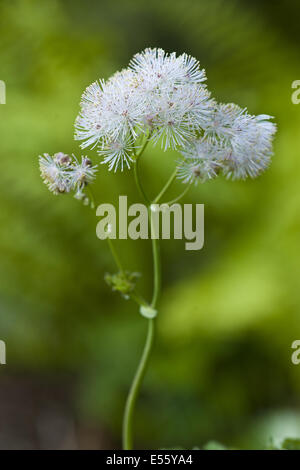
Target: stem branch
[
  {"x": 115, "y": 255},
  {"x": 176, "y": 199},
  {"x": 166, "y": 187},
  {"x": 136, "y": 173}
]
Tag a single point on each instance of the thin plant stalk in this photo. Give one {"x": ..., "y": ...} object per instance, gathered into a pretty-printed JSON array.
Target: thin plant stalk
[
  {"x": 136, "y": 172},
  {"x": 178, "y": 198},
  {"x": 115, "y": 254},
  {"x": 166, "y": 187},
  {"x": 135, "y": 387},
  {"x": 142, "y": 367}
]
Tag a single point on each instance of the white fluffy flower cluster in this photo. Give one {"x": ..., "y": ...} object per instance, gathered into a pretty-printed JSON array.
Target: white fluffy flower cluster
[
  {"x": 159, "y": 95},
  {"x": 63, "y": 173},
  {"x": 234, "y": 143},
  {"x": 162, "y": 97}
]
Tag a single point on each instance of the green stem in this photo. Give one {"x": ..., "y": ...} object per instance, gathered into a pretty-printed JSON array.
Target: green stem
[
  {"x": 138, "y": 182},
  {"x": 166, "y": 187},
  {"x": 138, "y": 298},
  {"x": 115, "y": 255},
  {"x": 92, "y": 197},
  {"x": 135, "y": 387},
  {"x": 139, "y": 375},
  {"x": 157, "y": 272},
  {"x": 136, "y": 173},
  {"x": 180, "y": 195},
  {"x": 141, "y": 370}
]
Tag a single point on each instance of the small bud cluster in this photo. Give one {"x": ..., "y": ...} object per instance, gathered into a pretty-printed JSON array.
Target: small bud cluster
[{"x": 123, "y": 282}]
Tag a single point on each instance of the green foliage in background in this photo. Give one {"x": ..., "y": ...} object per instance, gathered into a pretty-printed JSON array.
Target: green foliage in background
[{"x": 221, "y": 369}]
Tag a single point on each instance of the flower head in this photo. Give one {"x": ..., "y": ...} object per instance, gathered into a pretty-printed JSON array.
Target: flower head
[
  {"x": 63, "y": 173},
  {"x": 202, "y": 160},
  {"x": 163, "y": 98},
  {"x": 54, "y": 172},
  {"x": 250, "y": 150},
  {"x": 221, "y": 122},
  {"x": 117, "y": 152},
  {"x": 82, "y": 173},
  {"x": 158, "y": 70},
  {"x": 235, "y": 143},
  {"x": 110, "y": 110},
  {"x": 178, "y": 114},
  {"x": 161, "y": 94},
  {"x": 177, "y": 102}
]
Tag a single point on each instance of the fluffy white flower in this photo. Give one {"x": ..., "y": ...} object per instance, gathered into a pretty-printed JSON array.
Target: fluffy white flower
[
  {"x": 245, "y": 140},
  {"x": 158, "y": 70},
  {"x": 202, "y": 160},
  {"x": 159, "y": 93},
  {"x": 82, "y": 173},
  {"x": 177, "y": 103},
  {"x": 110, "y": 110},
  {"x": 117, "y": 152},
  {"x": 250, "y": 150},
  {"x": 123, "y": 105},
  {"x": 62, "y": 159},
  {"x": 221, "y": 122},
  {"x": 238, "y": 144},
  {"x": 192, "y": 71},
  {"x": 177, "y": 114},
  {"x": 54, "y": 173},
  {"x": 163, "y": 97},
  {"x": 63, "y": 173},
  {"x": 88, "y": 125}
]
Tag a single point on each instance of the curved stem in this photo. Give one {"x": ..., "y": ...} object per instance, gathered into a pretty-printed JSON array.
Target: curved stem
[
  {"x": 92, "y": 197},
  {"x": 136, "y": 173},
  {"x": 135, "y": 387},
  {"x": 139, "y": 375},
  {"x": 138, "y": 182},
  {"x": 157, "y": 272},
  {"x": 180, "y": 195},
  {"x": 144, "y": 146},
  {"x": 115, "y": 254},
  {"x": 138, "y": 298},
  {"x": 166, "y": 187}
]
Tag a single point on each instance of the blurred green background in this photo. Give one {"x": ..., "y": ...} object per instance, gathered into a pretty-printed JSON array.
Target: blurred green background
[{"x": 222, "y": 364}]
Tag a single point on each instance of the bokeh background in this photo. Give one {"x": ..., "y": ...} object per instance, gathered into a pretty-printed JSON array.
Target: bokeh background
[{"x": 222, "y": 367}]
